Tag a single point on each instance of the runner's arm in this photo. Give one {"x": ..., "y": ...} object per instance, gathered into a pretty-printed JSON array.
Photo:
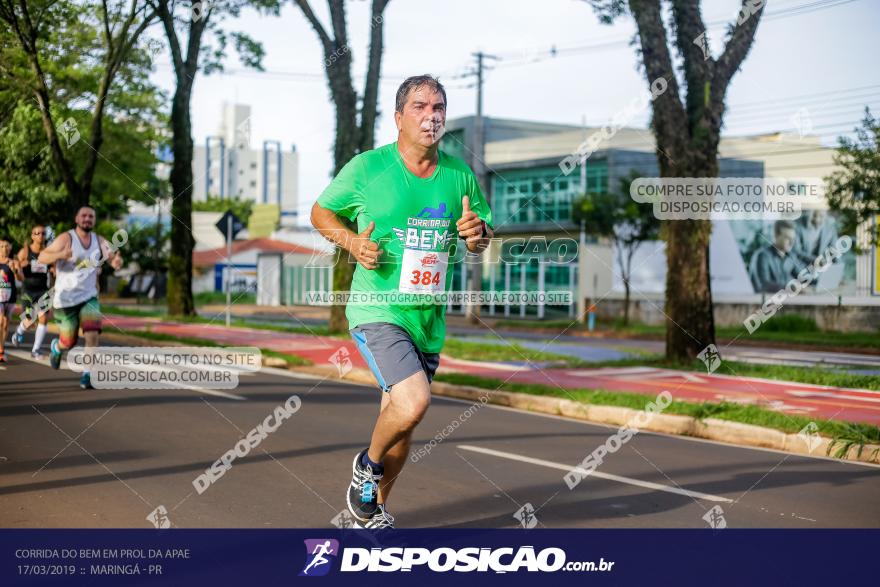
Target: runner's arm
[
  {"x": 59, "y": 249},
  {"x": 22, "y": 259},
  {"x": 328, "y": 224},
  {"x": 112, "y": 256},
  {"x": 364, "y": 250}
]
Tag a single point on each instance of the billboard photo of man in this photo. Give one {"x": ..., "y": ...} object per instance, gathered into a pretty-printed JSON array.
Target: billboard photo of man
[{"x": 775, "y": 264}]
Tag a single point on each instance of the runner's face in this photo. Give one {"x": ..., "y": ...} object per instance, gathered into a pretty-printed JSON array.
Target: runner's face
[
  {"x": 85, "y": 219},
  {"x": 424, "y": 117}
]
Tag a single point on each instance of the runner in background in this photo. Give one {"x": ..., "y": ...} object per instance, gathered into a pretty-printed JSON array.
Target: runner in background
[
  {"x": 9, "y": 272},
  {"x": 35, "y": 285}
]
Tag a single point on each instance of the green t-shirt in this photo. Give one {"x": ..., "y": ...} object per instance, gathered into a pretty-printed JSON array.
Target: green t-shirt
[{"x": 415, "y": 226}]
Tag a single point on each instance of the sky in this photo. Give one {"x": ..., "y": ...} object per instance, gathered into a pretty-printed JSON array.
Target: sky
[{"x": 819, "y": 55}]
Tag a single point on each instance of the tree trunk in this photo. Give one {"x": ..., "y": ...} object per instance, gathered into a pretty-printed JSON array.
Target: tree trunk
[
  {"x": 689, "y": 312},
  {"x": 687, "y": 146},
  {"x": 179, "y": 289},
  {"x": 345, "y": 148},
  {"x": 350, "y": 138}
]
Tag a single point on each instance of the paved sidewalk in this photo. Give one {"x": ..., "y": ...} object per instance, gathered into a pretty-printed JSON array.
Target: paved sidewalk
[{"x": 794, "y": 398}]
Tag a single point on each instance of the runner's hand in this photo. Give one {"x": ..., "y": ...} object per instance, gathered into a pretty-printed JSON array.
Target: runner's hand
[
  {"x": 365, "y": 250},
  {"x": 469, "y": 226},
  {"x": 116, "y": 261}
]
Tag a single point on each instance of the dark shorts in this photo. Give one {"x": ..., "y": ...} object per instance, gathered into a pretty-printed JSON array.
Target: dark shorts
[
  {"x": 29, "y": 298},
  {"x": 392, "y": 355}
]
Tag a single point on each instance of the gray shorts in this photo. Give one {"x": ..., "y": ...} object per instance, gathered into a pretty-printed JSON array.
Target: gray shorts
[{"x": 392, "y": 355}]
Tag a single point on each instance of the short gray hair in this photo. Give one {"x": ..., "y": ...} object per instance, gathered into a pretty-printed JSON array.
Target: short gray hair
[{"x": 415, "y": 82}]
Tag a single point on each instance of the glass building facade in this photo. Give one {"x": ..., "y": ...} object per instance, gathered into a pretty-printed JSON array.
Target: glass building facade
[{"x": 542, "y": 194}]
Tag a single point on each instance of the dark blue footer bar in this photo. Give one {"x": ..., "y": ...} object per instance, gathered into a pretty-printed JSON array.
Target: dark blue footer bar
[{"x": 435, "y": 557}]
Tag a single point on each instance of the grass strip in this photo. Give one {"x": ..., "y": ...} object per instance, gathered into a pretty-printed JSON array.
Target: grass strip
[{"x": 844, "y": 434}]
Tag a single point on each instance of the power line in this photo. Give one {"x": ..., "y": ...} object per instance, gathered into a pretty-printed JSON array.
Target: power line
[
  {"x": 550, "y": 151},
  {"x": 813, "y": 111},
  {"x": 786, "y": 101},
  {"x": 555, "y": 51}
]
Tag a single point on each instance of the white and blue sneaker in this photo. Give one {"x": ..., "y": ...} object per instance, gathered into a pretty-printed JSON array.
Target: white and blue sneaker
[
  {"x": 363, "y": 492},
  {"x": 381, "y": 520},
  {"x": 17, "y": 338},
  {"x": 55, "y": 355}
]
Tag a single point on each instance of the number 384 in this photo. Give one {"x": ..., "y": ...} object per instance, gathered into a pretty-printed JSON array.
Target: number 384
[{"x": 425, "y": 277}]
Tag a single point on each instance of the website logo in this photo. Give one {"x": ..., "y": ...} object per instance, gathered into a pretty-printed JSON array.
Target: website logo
[{"x": 320, "y": 554}]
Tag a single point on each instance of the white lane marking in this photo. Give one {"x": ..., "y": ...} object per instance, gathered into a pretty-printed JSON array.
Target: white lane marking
[
  {"x": 832, "y": 395},
  {"x": 216, "y": 392},
  {"x": 599, "y": 474},
  {"x": 26, "y": 355},
  {"x": 612, "y": 371}
]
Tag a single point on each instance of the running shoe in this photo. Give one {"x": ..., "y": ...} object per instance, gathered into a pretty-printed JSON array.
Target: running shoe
[
  {"x": 363, "y": 491},
  {"x": 38, "y": 355},
  {"x": 55, "y": 355},
  {"x": 2, "y": 357},
  {"x": 85, "y": 382},
  {"x": 381, "y": 520},
  {"x": 17, "y": 338}
]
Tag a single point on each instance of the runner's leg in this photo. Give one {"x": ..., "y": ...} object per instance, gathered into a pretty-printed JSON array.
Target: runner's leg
[
  {"x": 5, "y": 313},
  {"x": 42, "y": 328},
  {"x": 90, "y": 319},
  {"x": 402, "y": 409},
  {"x": 68, "y": 327}
]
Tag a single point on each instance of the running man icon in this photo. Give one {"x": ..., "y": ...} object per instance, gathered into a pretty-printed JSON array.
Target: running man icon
[{"x": 318, "y": 552}]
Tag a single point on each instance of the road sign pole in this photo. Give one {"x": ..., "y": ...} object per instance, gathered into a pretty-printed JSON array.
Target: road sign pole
[{"x": 228, "y": 266}]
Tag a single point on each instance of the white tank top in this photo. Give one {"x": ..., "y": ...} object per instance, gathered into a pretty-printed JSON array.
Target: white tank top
[{"x": 76, "y": 280}]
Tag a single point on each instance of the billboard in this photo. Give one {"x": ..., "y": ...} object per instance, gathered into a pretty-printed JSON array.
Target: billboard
[{"x": 775, "y": 252}]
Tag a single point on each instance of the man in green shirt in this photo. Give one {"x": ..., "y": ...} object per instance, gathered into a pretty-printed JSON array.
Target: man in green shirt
[{"x": 410, "y": 201}]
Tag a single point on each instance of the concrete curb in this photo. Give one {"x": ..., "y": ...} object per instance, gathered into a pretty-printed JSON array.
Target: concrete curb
[{"x": 709, "y": 428}]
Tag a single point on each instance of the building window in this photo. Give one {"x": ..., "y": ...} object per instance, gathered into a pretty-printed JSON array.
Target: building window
[
  {"x": 539, "y": 195},
  {"x": 453, "y": 143}
]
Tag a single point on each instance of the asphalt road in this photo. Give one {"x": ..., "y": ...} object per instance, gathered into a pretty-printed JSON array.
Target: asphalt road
[{"x": 108, "y": 458}]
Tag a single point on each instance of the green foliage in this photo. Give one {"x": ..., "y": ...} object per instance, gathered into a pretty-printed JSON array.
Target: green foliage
[
  {"x": 30, "y": 192},
  {"x": 793, "y": 323},
  {"x": 853, "y": 437},
  {"x": 850, "y": 433},
  {"x": 219, "y": 297},
  {"x": 617, "y": 216},
  {"x": 854, "y": 190},
  {"x": 239, "y": 207},
  {"x": 213, "y": 51},
  {"x": 71, "y": 46},
  {"x": 148, "y": 246}
]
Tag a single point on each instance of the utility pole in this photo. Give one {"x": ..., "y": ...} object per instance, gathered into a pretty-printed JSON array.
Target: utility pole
[{"x": 478, "y": 159}]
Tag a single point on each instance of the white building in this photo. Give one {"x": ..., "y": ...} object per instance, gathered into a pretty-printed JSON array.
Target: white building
[{"x": 227, "y": 165}]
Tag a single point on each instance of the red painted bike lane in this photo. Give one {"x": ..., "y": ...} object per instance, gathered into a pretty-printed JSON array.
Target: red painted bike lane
[{"x": 854, "y": 405}]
